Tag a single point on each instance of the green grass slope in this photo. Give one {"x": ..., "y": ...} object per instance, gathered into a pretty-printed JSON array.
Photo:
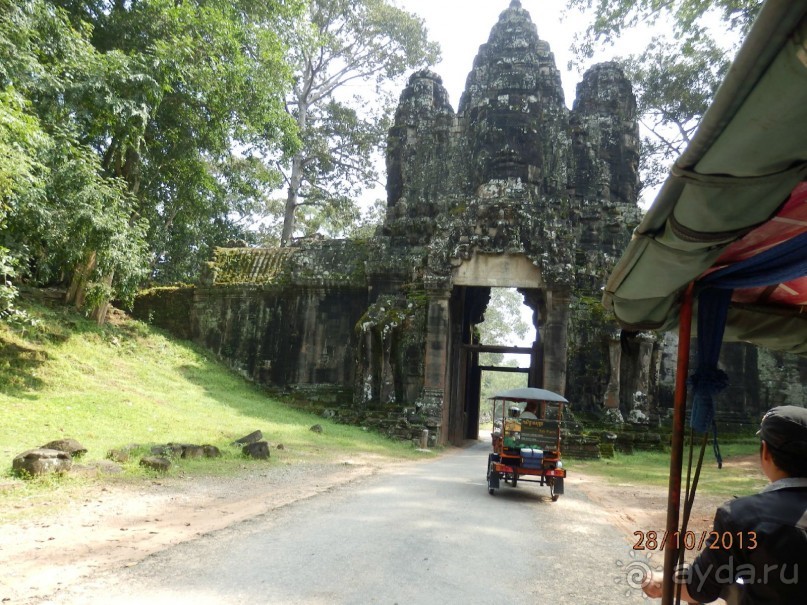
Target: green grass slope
[
  {"x": 127, "y": 383},
  {"x": 740, "y": 475}
]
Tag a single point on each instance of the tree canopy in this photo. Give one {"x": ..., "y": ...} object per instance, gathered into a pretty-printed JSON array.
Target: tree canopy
[
  {"x": 345, "y": 54},
  {"x": 678, "y": 73},
  {"x": 136, "y": 134},
  {"x": 59, "y": 206}
]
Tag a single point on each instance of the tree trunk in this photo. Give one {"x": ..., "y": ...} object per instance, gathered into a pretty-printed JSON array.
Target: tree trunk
[
  {"x": 295, "y": 179},
  {"x": 77, "y": 292},
  {"x": 78, "y": 284},
  {"x": 99, "y": 313},
  {"x": 291, "y": 200}
]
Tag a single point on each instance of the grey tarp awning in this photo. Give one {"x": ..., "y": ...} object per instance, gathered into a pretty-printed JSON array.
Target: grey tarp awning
[
  {"x": 529, "y": 394},
  {"x": 738, "y": 188}
]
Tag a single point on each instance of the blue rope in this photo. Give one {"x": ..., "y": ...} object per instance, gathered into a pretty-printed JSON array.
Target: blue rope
[
  {"x": 708, "y": 380},
  {"x": 706, "y": 383}
]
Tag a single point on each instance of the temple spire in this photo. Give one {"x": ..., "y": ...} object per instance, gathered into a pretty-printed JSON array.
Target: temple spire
[{"x": 515, "y": 4}]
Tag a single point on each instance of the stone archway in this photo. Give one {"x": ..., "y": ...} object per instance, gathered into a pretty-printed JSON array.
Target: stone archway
[{"x": 471, "y": 282}]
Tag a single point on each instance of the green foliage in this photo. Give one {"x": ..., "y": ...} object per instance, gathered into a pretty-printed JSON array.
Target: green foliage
[
  {"x": 344, "y": 44},
  {"x": 736, "y": 478},
  {"x": 369, "y": 222},
  {"x": 503, "y": 323},
  {"x": 109, "y": 386},
  {"x": 20, "y": 141},
  {"x": 677, "y": 74},
  {"x": 7, "y": 290},
  {"x": 495, "y": 382},
  {"x": 674, "y": 87},
  {"x": 195, "y": 158},
  {"x": 60, "y": 207},
  {"x": 614, "y": 18},
  {"x": 133, "y": 134}
]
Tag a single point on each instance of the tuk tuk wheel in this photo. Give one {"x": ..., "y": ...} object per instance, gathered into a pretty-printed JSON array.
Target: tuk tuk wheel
[
  {"x": 514, "y": 479},
  {"x": 556, "y": 488},
  {"x": 493, "y": 479}
]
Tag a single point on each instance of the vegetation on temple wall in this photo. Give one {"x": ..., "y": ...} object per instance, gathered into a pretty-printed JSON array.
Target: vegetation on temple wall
[
  {"x": 590, "y": 330},
  {"x": 250, "y": 266},
  {"x": 167, "y": 307},
  {"x": 384, "y": 315}
]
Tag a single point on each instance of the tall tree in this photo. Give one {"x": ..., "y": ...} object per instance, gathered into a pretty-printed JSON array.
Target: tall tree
[
  {"x": 21, "y": 141},
  {"x": 344, "y": 45},
  {"x": 65, "y": 213},
  {"x": 190, "y": 148},
  {"x": 503, "y": 325},
  {"x": 677, "y": 74},
  {"x": 503, "y": 322},
  {"x": 157, "y": 114}
]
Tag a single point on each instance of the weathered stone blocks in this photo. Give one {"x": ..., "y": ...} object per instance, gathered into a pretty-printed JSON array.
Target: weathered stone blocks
[
  {"x": 156, "y": 463},
  {"x": 258, "y": 450},
  {"x": 71, "y": 446},
  {"x": 41, "y": 461}
]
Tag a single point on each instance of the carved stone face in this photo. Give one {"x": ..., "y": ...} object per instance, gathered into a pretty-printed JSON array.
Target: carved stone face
[
  {"x": 512, "y": 91},
  {"x": 504, "y": 140}
]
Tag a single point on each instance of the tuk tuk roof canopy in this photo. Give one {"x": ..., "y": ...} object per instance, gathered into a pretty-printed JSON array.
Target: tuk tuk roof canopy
[
  {"x": 738, "y": 191},
  {"x": 529, "y": 394}
]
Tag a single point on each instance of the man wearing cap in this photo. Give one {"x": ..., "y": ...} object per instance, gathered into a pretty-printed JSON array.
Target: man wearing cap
[{"x": 758, "y": 549}]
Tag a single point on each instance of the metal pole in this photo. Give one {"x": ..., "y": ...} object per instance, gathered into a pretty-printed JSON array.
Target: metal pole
[{"x": 677, "y": 453}]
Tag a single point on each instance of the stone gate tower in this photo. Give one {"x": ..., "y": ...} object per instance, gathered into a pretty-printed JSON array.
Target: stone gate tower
[{"x": 512, "y": 190}]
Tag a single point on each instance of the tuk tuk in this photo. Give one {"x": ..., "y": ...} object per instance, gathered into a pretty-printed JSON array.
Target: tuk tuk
[{"x": 527, "y": 444}]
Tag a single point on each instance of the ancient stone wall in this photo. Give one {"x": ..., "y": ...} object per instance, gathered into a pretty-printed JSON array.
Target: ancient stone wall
[
  {"x": 285, "y": 316},
  {"x": 759, "y": 379},
  {"x": 168, "y": 308}
]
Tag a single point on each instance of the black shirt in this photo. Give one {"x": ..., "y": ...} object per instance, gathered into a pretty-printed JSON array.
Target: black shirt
[{"x": 761, "y": 539}]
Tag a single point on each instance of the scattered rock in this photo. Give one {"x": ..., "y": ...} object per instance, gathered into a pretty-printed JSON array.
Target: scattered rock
[
  {"x": 41, "y": 461},
  {"x": 253, "y": 437},
  {"x": 71, "y": 446},
  {"x": 157, "y": 463},
  {"x": 317, "y": 428},
  {"x": 169, "y": 449},
  {"x": 119, "y": 456},
  {"x": 122, "y": 455},
  {"x": 259, "y": 450},
  {"x": 193, "y": 451},
  {"x": 211, "y": 451}
]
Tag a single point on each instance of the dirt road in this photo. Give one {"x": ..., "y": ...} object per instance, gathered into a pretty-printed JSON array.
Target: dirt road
[{"x": 350, "y": 533}]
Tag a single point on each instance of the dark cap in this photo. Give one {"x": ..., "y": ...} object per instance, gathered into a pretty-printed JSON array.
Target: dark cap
[{"x": 784, "y": 428}]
